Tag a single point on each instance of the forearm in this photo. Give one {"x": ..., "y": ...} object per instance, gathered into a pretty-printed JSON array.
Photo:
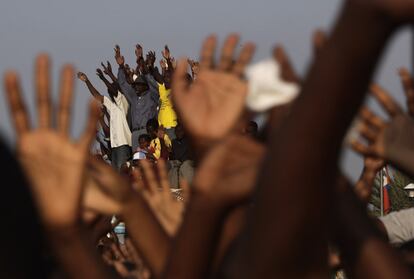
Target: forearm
[
  {"x": 126, "y": 88},
  {"x": 157, "y": 76},
  {"x": 202, "y": 225},
  {"x": 94, "y": 92},
  {"x": 111, "y": 88},
  {"x": 112, "y": 77},
  {"x": 301, "y": 162},
  {"x": 148, "y": 236},
  {"x": 76, "y": 253}
]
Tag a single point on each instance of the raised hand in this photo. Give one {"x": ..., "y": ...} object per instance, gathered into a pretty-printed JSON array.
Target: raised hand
[
  {"x": 112, "y": 186},
  {"x": 53, "y": 163},
  {"x": 168, "y": 210},
  {"x": 163, "y": 64},
  {"x": 138, "y": 51},
  {"x": 379, "y": 134},
  {"x": 227, "y": 174},
  {"x": 363, "y": 187},
  {"x": 390, "y": 141},
  {"x": 99, "y": 73},
  {"x": 107, "y": 68},
  {"x": 195, "y": 68},
  {"x": 150, "y": 59},
  {"x": 166, "y": 53},
  {"x": 210, "y": 107},
  {"x": 287, "y": 71},
  {"x": 82, "y": 77},
  {"x": 118, "y": 57}
]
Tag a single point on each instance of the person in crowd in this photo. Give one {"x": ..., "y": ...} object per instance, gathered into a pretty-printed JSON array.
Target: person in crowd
[
  {"x": 142, "y": 95},
  {"x": 120, "y": 134},
  {"x": 181, "y": 159},
  {"x": 160, "y": 141},
  {"x": 275, "y": 208}
]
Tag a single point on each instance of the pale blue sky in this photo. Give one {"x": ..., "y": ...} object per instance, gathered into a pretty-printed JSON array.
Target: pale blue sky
[{"x": 84, "y": 33}]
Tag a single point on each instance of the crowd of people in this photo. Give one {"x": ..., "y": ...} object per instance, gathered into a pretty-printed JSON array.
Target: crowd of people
[{"x": 186, "y": 184}]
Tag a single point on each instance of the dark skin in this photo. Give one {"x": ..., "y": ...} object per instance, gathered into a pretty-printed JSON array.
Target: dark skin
[
  {"x": 95, "y": 93},
  {"x": 112, "y": 87},
  {"x": 108, "y": 71},
  {"x": 58, "y": 196},
  {"x": 294, "y": 158},
  {"x": 140, "y": 88},
  {"x": 391, "y": 140}
]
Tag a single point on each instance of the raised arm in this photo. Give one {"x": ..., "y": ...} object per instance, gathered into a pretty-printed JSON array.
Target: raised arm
[
  {"x": 126, "y": 88},
  {"x": 296, "y": 182},
  {"x": 112, "y": 90},
  {"x": 57, "y": 196},
  {"x": 108, "y": 71},
  {"x": 224, "y": 179},
  {"x": 148, "y": 236},
  {"x": 95, "y": 93}
]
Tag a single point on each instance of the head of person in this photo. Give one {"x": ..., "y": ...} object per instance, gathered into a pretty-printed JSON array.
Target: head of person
[
  {"x": 179, "y": 131},
  {"x": 140, "y": 85},
  {"x": 252, "y": 129},
  {"x": 144, "y": 141},
  {"x": 152, "y": 127}
]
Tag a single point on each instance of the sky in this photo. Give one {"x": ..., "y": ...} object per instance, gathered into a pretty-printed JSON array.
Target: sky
[{"x": 83, "y": 32}]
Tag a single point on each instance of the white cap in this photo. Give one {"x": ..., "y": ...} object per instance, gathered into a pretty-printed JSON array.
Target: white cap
[
  {"x": 267, "y": 89},
  {"x": 139, "y": 156}
]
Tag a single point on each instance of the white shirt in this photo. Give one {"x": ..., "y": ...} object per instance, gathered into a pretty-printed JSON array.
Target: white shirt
[
  {"x": 120, "y": 134},
  {"x": 399, "y": 226},
  {"x": 122, "y": 102}
]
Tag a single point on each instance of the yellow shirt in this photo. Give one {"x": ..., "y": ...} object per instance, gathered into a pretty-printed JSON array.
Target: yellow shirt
[
  {"x": 156, "y": 145},
  {"x": 166, "y": 116}
]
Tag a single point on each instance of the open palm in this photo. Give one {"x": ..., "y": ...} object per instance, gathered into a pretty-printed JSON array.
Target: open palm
[
  {"x": 210, "y": 107},
  {"x": 53, "y": 163}
]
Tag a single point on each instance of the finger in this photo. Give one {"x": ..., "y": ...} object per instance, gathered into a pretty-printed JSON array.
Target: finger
[
  {"x": 180, "y": 82},
  {"x": 244, "y": 58},
  {"x": 16, "y": 104},
  {"x": 369, "y": 134},
  {"x": 361, "y": 148},
  {"x": 226, "y": 59},
  {"x": 42, "y": 72},
  {"x": 65, "y": 103},
  {"x": 319, "y": 39},
  {"x": 90, "y": 130},
  {"x": 408, "y": 85},
  {"x": 385, "y": 100},
  {"x": 370, "y": 118},
  {"x": 165, "y": 184},
  {"x": 149, "y": 175},
  {"x": 185, "y": 189},
  {"x": 138, "y": 179},
  {"x": 207, "y": 52},
  {"x": 288, "y": 72}
]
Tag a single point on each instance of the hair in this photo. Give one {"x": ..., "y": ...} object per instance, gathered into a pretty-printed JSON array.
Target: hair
[
  {"x": 153, "y": 123},
  {"x": 145, "y": 137}
]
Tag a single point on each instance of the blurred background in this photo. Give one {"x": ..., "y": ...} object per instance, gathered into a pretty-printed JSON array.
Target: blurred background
[{"x": 84, "y": 33}]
